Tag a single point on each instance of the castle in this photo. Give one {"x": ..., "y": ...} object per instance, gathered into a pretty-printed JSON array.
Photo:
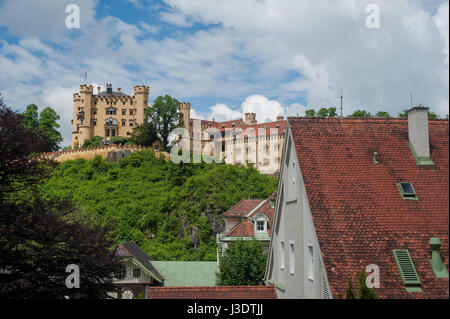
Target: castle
[
  {"x": 113, "y": 113},
  {"x": 108, "y": 113},
  {"x": 242, "y": 142}
]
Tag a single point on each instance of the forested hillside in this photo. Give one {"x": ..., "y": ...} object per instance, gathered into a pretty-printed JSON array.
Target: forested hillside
[{"x": 171, "y": 210}]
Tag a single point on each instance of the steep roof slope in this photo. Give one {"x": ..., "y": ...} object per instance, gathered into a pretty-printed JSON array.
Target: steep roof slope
[
  {"x": 130, "y": 249},
  {"x": 242, "y": 208},
  {"x": 358, "y": 212}
]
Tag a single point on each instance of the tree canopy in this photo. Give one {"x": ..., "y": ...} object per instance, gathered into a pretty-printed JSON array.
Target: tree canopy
[
  {"x": 243, "y": 264},
  {"x": 41, "y": 235},
  {"x": 172, "y": 211},
  {"x": 165, "y": 116},
  {"x": 45, "y": 124}
]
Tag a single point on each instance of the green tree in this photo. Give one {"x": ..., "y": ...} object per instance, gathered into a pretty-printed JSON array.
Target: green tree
[
  {"x": 243, "y": 264},
  {"x": 332, "y": 112},
  {"x": 382, "y": 114},
  {"x": 364, "y": 291},
  {"x": 31, "y": 117},
  {"x": 310, "y": 113},
  {"x": 349, "y": 294},
  {"x": 323, "y": 112},
  {"x": 93, "y": 141},
  {"x": 144, "y": 134},
  {"x": 121, "y": 140},
  {"x": 361, "y": 113},
  {"x": 49, "y": 127},
  {"x": 41, "y": 235},
  {"x": 166, "y": 116}
]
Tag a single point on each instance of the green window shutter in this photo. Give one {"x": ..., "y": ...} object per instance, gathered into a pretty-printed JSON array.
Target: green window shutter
[{"x": 407, "y": 270}]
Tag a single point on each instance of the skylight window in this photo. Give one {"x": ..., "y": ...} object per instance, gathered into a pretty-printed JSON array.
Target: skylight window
[{"x": 407, "y": 190}]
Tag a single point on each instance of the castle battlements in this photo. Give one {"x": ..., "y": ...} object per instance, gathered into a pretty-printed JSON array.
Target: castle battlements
[{"x": 107, "y": 114}]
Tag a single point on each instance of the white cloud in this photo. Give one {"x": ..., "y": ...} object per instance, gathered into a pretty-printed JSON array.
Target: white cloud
[
  {"x": 265, "y": 109},
  {"x": 296, "y": 109},
  {"x": 44, "y": 18},
  {"x": 286, "y": 50},
  {"x": 441, "y": 19}
]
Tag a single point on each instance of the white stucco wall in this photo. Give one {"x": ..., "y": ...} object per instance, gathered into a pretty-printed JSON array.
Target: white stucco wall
[{"x": 293, "y": 224}]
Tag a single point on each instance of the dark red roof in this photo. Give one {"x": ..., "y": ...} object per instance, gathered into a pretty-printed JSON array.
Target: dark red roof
[
  {"x": 218, "y": 292},
  {"x": 242, "y": 208},
  {"x": 246, "y": 228},
  {"x": 358, "y": 212}
]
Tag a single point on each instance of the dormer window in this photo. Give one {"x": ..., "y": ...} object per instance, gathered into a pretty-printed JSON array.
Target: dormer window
[
  {"x": 407, "y": 190},
  {"x": 260, "y": 225}
]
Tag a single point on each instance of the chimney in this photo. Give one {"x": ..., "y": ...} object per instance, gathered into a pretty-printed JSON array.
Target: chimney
[
  {"x": 280, "y": 118},
  {"x": 98, "y": 89},
  {"x": 436, "y": 261},
  {"x": 418, "y": 134},
  {"x": 118, "y": 90},
  {"x": 250, "y": 119},
  {"x": 109, "y": 88}
]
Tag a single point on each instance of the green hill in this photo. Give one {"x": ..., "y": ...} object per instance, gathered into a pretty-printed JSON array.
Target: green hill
[{"x": 170, "y": 210}]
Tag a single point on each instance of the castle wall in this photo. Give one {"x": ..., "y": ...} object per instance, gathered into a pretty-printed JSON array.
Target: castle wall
[{"x": 104, "y": 151}]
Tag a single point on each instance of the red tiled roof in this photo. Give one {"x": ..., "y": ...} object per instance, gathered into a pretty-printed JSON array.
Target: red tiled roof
[
  {"x": 242, "y": 208},
  {"x": 246, "y": 228},
  {"x": 239, "y": 123},
  {"x": 357, "y": 210},
  {"x": 218, "y": 292}
]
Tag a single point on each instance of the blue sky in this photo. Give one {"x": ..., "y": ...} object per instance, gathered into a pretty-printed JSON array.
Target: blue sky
[{"x": 228, "y": 57}]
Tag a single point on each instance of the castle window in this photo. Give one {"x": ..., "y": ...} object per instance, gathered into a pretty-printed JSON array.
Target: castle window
[
  {"x": 94, "y": 122},
  {"x": 111, "y": 122},
  {"x": 94, "y": 111},
  {"x": 131, "y": 112},
  {"x": 124, "y": 112},
  {"x": 110, "y": 111},
  {"x": 124, "y": 123},
  {"x": 131, "y": 122}
]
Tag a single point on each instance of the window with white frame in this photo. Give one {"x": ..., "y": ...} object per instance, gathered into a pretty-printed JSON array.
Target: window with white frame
[
  {"x": 282, "y": 255},
  {"x": 310, "y": 261},
  {"x": 260, "y": 225},
  {"x": 291, "y": 257}
]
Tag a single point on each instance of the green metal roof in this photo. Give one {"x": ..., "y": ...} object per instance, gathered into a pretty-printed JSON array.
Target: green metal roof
[{"x": 187, "y": 273}]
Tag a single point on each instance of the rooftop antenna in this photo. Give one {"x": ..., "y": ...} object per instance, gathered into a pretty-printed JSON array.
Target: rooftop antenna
[
  {"x": 411, "y": 99},
  {"x": 341, "y": 103}
]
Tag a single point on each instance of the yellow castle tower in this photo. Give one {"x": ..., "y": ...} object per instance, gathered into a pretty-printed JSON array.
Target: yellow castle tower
[{"x": 108, "y": 113}]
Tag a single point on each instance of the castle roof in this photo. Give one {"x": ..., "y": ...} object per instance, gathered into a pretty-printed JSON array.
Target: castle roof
[{"x": 113, "y": 94}]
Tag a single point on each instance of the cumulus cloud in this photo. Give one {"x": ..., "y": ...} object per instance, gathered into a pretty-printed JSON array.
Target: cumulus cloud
[
  {"x": 265, "y": 109},
  {"x": 442, "y": 19},
  {"x": 43, "y": 18},
  {"x": 298, "y": 53}
]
